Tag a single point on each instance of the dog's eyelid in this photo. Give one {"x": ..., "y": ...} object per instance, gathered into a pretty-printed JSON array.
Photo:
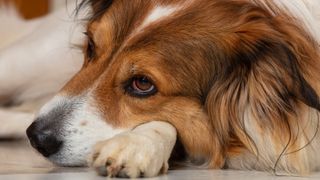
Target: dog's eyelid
[
  {"x": 90, "y": 51},
  {"x": 129, "y": 89},
  {"x": 89, "y": 35}
]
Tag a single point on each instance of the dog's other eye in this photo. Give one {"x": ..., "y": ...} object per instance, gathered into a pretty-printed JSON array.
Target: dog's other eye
[
  {"x": 90, "y": 49},
  {"x": 141, "y": 86}
]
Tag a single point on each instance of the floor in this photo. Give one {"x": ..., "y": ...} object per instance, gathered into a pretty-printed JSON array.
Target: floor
[{"x": 19, "y": 161}]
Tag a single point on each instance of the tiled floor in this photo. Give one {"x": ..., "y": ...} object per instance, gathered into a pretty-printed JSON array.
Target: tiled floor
[{"x": 19, "y": 162}]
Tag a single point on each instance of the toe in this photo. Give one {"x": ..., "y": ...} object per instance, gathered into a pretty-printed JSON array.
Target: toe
[{"x": 102, "y": 171}]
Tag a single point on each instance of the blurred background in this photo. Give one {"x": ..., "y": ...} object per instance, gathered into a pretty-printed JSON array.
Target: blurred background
[
  {"x": 16, "y": 155},
  {"x": 30, "y": 9}
]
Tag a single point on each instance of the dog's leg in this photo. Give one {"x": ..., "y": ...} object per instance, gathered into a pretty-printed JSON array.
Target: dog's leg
[
  {"x": 14, "y": 123},
  {"x": 39, "y": 65},
  {"x": 144, "y": 151}
]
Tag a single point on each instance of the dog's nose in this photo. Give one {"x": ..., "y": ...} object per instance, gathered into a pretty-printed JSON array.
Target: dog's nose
[{"x": 43, "y": 140}]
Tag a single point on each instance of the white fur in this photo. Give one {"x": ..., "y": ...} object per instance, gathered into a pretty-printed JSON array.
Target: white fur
[
  {"x": 42, "y": 61},
  {"x": 80, "y": 131},
  {"x": 266, "y": 154},
  {"x": 158, "y": 13},
  {"x": 307, "y": 12},
  {"x": 146, "y": 149},
  {"x": 53, "y": 103},
  {"x": 148, "y": 146}
]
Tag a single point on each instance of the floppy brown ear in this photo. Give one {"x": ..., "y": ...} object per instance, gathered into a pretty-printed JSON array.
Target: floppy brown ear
[{"x": 270, "y": 73}]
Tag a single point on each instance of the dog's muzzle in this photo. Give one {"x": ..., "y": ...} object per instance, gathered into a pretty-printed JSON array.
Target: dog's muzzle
[
  {"x": 66, "y": 129},
  {"x": 46, "y": 132}
]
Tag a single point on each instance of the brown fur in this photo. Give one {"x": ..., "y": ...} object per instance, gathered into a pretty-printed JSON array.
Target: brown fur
[{"x": 212, "y": 63}]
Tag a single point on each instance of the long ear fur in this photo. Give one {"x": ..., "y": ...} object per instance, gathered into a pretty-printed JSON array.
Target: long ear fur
[{"x": 265, "y": 91}]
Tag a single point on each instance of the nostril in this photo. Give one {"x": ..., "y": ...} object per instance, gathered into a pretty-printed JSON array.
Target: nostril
[
  {"x": 48, "y": 144},
  {"x": 44, "y": 141},
  {"x": 32, "y": 134},
  {"x": 30, "y": 131}
]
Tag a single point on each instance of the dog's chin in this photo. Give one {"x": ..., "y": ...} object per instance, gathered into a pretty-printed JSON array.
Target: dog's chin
[
  {"x": 71, "y": 157},
  {"x": 63, "y": 160},
  {"x": 76, "y": 149}
]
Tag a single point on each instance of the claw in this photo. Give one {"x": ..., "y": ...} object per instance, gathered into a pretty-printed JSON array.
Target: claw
[
  {"x": 109, "y": 162},
  {"x": 102, "y": 171}
]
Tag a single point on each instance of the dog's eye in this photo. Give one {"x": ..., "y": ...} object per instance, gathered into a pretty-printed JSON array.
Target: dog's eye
[
  {"x": 142, "y": 86},
  {"x": 90, "y": 51}
]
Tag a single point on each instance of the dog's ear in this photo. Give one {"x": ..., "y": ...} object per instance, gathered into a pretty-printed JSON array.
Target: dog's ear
[
  {"x": 99, "y": 7},
  {"x": 269, "y": 73}
]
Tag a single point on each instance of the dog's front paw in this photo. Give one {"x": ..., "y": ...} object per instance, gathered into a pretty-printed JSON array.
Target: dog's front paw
[{"x": 130, "y": 155}]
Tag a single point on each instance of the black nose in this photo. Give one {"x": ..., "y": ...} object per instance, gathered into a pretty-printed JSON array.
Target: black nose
[{"x": 43, "y": 139}]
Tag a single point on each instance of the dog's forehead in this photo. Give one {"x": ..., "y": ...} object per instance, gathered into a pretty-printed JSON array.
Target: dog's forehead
[
  {"x": 149, "y": 30},
  {"x": 125, "y": 20}
]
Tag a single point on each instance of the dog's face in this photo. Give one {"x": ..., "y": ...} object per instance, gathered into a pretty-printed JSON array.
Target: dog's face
[
  {"x": 195, "y": 64},
  {"x": 142, "y": 63}
]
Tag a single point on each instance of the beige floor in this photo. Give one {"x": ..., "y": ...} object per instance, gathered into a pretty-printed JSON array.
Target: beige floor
[
  {"x": 17, "y": 157},
  {"x": 19, "y": 161}
]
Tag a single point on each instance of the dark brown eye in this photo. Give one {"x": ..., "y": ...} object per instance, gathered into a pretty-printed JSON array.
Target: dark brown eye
[
  {"x": 141, "y": 86},
  {"x": 90, "y": 51}
]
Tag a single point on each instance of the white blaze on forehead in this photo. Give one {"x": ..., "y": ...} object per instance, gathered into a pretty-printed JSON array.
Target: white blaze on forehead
[
  {"x": 159, "y": 13},
  {"x": 156, "y": 14}
]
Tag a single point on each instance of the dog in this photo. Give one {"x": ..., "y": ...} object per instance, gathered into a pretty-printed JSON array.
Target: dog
[{"x": 213, "y": 83}]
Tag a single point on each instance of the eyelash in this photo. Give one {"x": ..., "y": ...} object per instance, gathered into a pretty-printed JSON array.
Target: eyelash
[{"x": 90, "y": 48}]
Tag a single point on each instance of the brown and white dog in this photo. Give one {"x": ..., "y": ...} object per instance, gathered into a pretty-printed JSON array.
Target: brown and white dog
[{"x": 224, "y": 84}]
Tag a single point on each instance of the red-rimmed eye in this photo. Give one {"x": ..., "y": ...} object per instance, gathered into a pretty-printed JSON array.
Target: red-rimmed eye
[{"x": 142, "y": 86}]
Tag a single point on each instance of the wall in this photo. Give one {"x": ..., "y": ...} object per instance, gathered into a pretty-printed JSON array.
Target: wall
[{"x": 29, "y": 8}]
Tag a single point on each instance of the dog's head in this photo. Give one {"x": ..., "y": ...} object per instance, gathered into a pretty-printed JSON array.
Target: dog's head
[{"x": 195, "y": 64}]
